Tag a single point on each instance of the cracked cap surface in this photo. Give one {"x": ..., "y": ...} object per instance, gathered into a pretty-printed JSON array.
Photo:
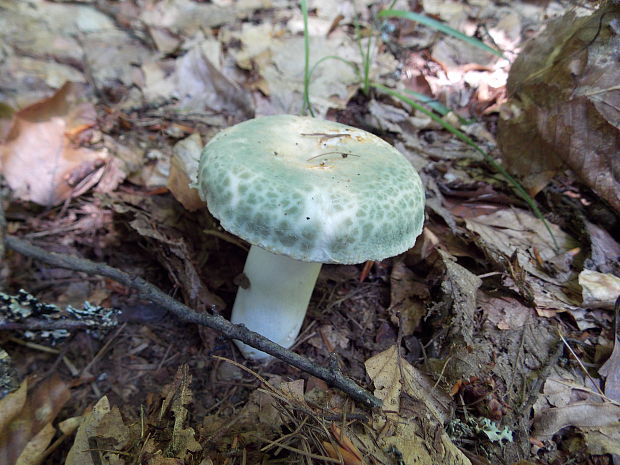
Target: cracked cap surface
[{"x": 313, "y": 190}]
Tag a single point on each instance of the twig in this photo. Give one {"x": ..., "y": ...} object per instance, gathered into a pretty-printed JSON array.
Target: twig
[
  {"x": 332, "y": 375},
  {"x": 44, "y": 325}
]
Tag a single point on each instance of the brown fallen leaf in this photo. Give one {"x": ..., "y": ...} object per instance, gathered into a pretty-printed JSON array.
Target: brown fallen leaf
[
  {"x": 197, "y": 85},
  {"x": 598, "y": 421},
  {"x": 39, "y": 158},
  {"x": 599, "y": 290},
  {"x": 565, "y": 105},
  {"x": 25, "y": 420},
  {"x": 11, "y": 406},
  {"x": 385, "y": 373},
  {"x": 611, "y": 368},
  {"x": 404, "y": 298},
  {"x": 345, "y": 442},
  {"x": 183, "y": 171},
  {"x": 336, "y": 452},
  {"x": 611, "y": 371},
  {"x": 34, "y": 452},
  {"x": 102, "y": 429},
  {"x": 183, "y": 442}
]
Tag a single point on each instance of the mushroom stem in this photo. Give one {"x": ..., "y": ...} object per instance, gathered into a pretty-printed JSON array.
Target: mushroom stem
[{"x": 274, "y": 305}]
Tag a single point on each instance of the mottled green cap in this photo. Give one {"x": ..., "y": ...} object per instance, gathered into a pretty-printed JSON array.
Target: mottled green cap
[{"x": 313, "y": 190}]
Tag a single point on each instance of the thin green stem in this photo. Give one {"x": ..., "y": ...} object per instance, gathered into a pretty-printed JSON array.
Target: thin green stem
[
  {"x": 469, "y": 141},
  {"x": 439, "y": 26},
  {"x": 365, "y": 55},
  {"x": 307, "y": 106}
]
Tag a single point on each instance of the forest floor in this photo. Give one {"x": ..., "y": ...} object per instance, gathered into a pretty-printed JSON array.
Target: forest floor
[{"x": 492, "y": 341}]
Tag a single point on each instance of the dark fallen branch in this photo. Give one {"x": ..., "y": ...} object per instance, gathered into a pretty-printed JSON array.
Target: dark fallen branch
[
  {"x": 43, "y": 325},
  {"x": 331, "y": 375}
]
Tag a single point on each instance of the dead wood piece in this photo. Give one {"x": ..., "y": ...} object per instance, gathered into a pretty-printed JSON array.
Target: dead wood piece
[{"x": 331, "y": 375}]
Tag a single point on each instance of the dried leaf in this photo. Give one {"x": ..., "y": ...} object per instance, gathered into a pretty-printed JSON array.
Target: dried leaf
[
  {"x": 294, "y": 390},
  {"x": 593, "y": 419},
  {"x": 604, "y": 250},
  {"x": 39, "y": 159},
  {"x": 197, "y": 85},
  {"x": 390, "y": 377},
  {"x": 424, "y": 448},
  {"x": 460, "y": 287},
  {"x": 34, "y": 452},
  {"x": 183, "y": 171},
  {"x": 385, "y": 374},
  {"x": 611, "y": 371},
  {"x": 599, "y": 290},
  {"x": 8, "y": 375},
  {"x": 329, "y": 338},
  {"x": 347, "y": 457},
  {"x": 403, "y": 298},
  {"x": 565, "y": 109},
  {"x": 519, "y": 244},
  {"x": 183, "y": 441},
  {"x": 11, "y": 405},
  {"x": 507, "y": 231},
  {"x": 506, "y": 313},
  {"x": 101, "y": 430},
  {"x": 333, "y": 82},
  {"x": 28, "y": 417},
  {"x": 345, "y": 442}
]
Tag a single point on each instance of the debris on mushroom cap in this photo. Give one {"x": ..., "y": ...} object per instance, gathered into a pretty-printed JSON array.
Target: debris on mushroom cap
[{"x": 314, "y": 190}]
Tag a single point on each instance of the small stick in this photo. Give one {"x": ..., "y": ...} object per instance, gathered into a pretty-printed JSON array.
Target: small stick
[
  {"x": 44, "y": 325},
  {"x": 332, "y": 375}
]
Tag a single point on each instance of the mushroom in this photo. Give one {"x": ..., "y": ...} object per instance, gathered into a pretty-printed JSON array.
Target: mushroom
[{"x": 304, "y": 192}]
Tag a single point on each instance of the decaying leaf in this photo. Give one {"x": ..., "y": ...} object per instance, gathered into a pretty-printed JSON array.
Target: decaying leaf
[
  {"x": 26, "y": 420},
  {"x": 392, "y": 376},
  {"x": 404, "y": 300},
  {"x": 507, "y": 231},
  {"x": 611, "y": 368},
  {"x": 520, "y": 245},
  {"x": 604, "y": 250},
  {"x": 276, "y": 59},
  {"x": 506, "y": 313},
  {"x": 599, "y": 290},
  {"x": 8, "y": 375},
  {"x": 41, "y": 159},
  {"x": 11, "y": 405},
  {"x": 183, "y": 441},
  {"x": 197, "y": 85},
  {"x": 611, "y": 371},
  {"x": 101, "y": 432},
  {"x": 598, "y": 421},
  {"x": 329, "y": 338},
  {"x": 183, "y": 171},
  {"x": 565, "y": 105},
  {"x": 385, "y": 373},
  {"x": 34, "y": 452},
  {"x": 460, "y": 286}
]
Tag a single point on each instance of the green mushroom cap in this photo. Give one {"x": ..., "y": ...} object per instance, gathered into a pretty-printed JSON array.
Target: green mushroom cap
[{"x": 313, "y": 190}]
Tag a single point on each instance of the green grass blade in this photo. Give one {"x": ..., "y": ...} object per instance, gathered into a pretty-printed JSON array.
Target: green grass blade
[
  {"x": 433, "y": 104},
  {"x": 307, "y": 106},
  {"x": 469, "y": 141},
  {"x": 436, "y": 106},
  {"x": 439, "y": 26}
]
